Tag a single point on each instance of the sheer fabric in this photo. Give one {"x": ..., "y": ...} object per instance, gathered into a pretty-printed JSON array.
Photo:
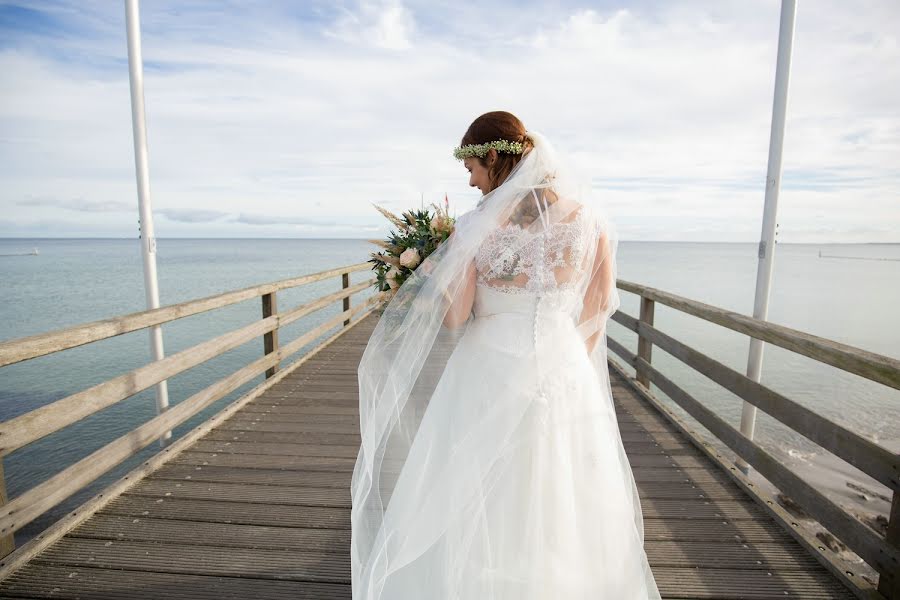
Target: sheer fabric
[{"x": 491, "y": 465}]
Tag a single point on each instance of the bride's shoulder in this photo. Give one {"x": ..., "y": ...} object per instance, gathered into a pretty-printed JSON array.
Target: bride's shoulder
[
  {"x": 583, "y": 212},
  {"x": 593, "y": 214}
]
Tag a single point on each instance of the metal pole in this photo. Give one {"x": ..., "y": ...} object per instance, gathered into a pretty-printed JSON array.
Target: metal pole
[
  {"x": 148, "y": 240},
  {"x": 773, "y": 186}
]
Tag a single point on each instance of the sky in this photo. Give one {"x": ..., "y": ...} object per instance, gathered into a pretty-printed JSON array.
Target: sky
[{"x": 291, "y": 119}]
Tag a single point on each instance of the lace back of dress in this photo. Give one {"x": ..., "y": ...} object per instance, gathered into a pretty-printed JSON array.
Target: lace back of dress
[{"x": 537, "y": 259}]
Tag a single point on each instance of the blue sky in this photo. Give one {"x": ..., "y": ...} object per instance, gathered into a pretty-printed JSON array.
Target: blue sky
[{"x": 288, "y": 119}]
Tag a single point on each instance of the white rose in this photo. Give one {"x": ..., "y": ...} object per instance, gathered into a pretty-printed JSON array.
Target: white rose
[
  {"x": 409, "y": 258},
  {"x": 392, "y": 272}
]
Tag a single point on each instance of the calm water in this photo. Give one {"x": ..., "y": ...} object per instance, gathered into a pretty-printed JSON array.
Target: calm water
[{"x": 74, "y": 281}]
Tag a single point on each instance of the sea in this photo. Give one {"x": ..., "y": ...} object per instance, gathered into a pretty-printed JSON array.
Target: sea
[{"x": 849, "y": 293}]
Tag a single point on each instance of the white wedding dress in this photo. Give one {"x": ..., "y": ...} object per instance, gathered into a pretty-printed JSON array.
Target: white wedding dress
[{"x": 516, "y": 485}]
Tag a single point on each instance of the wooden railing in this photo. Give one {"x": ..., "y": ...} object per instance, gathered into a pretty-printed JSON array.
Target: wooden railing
[
  {"x": 883, "y": 465},
  {"x": 880, "y": 463},
  {"x": 36, "y": 424}
]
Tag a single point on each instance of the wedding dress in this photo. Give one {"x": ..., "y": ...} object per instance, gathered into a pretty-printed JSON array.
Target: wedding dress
[{"x": 500, "y": 473}]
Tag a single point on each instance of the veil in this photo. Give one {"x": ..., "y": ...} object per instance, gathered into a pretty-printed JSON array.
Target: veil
[{"x": 416, "y": 336}]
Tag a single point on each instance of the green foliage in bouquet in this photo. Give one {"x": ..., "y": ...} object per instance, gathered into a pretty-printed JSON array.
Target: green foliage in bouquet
[{"x": 418, "y": 234}]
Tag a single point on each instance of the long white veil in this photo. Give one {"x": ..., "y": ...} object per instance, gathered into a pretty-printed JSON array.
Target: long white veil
[{"x": 419, "y": 330}]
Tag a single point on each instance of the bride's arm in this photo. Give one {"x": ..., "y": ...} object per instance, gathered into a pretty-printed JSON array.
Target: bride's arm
[
  {"x": 461, "y": 305},
  {"x": 598, "y": 293}
]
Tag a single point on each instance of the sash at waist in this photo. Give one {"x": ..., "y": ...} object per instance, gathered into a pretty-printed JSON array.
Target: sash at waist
[
  {"x": 490, "y": 301},
  {"x": 496, "y": 303}
]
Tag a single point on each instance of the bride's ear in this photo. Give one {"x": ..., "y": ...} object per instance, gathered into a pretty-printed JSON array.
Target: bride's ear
[{"x": 491, "y": 157}]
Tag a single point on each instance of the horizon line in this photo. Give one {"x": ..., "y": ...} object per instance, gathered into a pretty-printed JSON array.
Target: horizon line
[{"x": 367, "y": 239}]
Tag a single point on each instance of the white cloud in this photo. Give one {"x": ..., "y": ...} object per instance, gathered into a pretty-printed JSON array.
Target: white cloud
[
  {"x": 385, "y": 24},
  {"x": 308, "y": 119},
  {"x": 191, "y": 215}
]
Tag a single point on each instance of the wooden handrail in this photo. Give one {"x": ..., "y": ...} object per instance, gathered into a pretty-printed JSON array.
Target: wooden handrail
[
  {"x": 36, "y": 424},
  {"x": 52, "y": 417},
  {"x": 882, "y": 464},
  {"x": 876, "y": 367},
  {"x": 17, "y": 350},
  {"x": 861, "y": 452},
  {"x": 26, "y": 507}
]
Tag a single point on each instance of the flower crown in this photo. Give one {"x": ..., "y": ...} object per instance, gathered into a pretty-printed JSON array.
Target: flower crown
[{"x": 480, "y": 150}]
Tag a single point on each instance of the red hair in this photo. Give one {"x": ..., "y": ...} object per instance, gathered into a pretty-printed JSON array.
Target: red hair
[{"x": 497, "y": 125}]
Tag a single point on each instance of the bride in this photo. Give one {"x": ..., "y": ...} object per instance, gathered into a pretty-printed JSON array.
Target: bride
[{"x": 491, "y": 465}]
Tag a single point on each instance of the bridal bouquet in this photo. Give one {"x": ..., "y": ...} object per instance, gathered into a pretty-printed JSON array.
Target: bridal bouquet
[{"x": 419, "y": 233}]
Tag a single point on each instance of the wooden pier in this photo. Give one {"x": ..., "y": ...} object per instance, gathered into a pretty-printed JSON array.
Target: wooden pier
[{"x": 255, "y": 502}]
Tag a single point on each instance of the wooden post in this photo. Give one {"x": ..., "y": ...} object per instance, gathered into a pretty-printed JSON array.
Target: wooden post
[
  {"x": 889, "y": 583},
  {"x": 345, "y": 283},
  {"x": 270, "y": 340},
  {"x": 644, "y": 345},
  {"x": 7, "y": 542}
]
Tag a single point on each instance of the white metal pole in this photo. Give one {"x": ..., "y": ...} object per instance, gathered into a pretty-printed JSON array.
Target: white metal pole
[
  {"x": 148, "y": 240},
  {"x": 773, "y": 186}
]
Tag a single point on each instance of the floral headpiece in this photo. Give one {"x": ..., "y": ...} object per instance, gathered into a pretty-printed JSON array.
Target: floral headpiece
[{"x": 480, "y": 150}]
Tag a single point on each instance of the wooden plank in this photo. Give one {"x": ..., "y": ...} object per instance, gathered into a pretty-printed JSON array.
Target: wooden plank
[
  {"x": 319, "y": 408},
  {"x": 667, "y": 511},
  {"x": 170, "y": 531},
  {"x": 323, "y": 383},
  {"x": 342, "y": 479},
  {"x": 313, "y": 419},
  {"x": 662, "y": 474},
  {"x": 278, "y": 448},
  {"x": 739, "y": 530},
  {"x": 270, "y": 339},
  {"x": 304, "y": 390},
  {"x": 47, "y": 581},
  {"x": 219, "y": 511},
  {"x": 714, "y": 583},
  {"x": 244, "y": 492},
  {"x": 263, "y": 461},
  {"x": 345, "y": 365},
  {"x": 634, "y": 448},
  {"x": 646, "y": 436},
  {"x": 250, "y": 423},
  {"x": 889, "y": 583},
  {"x": 41, "y": 580},
  {"x": 730, "y": 555},
  {"x": 645, "y": 347},
  {"x": 632, "y": 426},
  {"x": 269, "y": 563},
  {"x": 7, "y": 541},
  {"x": 258, "y": 563},
  {"x": 700, "y": 508},
  {"x": 301, "y": 396},
  {"x": 340, "y": 439},
  {"x": 345, "y": 283},
  {"x": 260, "y": 476},
  {"x": 709, "y": 490},
  {"x": 338, "y": 464}
]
